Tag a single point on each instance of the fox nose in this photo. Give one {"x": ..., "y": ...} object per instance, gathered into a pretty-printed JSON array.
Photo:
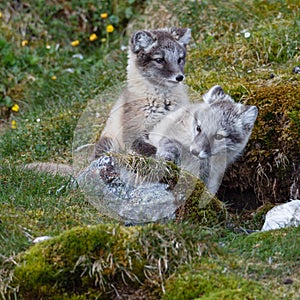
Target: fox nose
[
  {"x": 202, "y": 154},
  {"x": 194, "y": 152},
  {"x": 179, "y": 77}
]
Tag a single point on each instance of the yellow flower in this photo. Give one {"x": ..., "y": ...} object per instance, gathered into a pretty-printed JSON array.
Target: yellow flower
[
  {"x": 104, "y": 15},
  {"x": 0, "y": 15},
  {"x": 24, "y": 43},
  {"x": 110, "y": 28},
  {"x": 75, "y": 43},
  {"x": 93, "y": 37},
  {"x": 13, "y": 124},
  {"x": 53, "y": 77},
  {"x": 15, "y": 108}
]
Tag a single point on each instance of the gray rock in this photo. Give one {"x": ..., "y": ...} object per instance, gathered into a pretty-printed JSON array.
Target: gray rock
[{"x": 117, "y": 194}]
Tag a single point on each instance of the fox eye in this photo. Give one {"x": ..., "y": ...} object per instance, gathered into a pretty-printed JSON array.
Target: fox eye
[
  {"x": 180, "y": 60},
  {"x": 219, "y": 137},
  {"x": 159, "y": 60},
  {"x": 198, "y": 128}
]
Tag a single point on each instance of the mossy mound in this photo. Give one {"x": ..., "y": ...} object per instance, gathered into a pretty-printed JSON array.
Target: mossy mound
[
  {"x": 271, "y": 163},
  {"x": 209, "y": 281},
  {"x": 202, "y": 208},
  {"x": 281, "y": 245},
  {"x": 99, "y": 261}
]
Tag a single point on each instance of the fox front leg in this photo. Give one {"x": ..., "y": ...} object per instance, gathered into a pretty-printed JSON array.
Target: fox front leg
[
  {"x": 140, "y": 146},
  {"x": 168, "y": 150}
]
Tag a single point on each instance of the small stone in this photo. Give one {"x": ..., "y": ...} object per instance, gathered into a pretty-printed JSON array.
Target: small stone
[
  {"x": 296, "y": 70},
  {"x": 41, "y": 239},
  {"x": 287, "y": 281}
]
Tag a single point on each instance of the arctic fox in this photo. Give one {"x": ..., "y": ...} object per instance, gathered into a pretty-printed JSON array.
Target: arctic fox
[
  {"x": 205, "y": 138},
  {"x": 154, "y": 88},
  {"x": 155, "y": 72}
]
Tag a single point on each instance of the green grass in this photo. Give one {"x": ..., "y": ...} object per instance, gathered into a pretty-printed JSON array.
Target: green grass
[{"x": 248, "y": 47}]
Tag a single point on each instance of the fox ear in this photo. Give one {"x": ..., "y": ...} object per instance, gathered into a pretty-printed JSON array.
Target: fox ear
[
  {"x": 141, "y": 40},
  {"x": 249, "y": 116},
  {"x": 216, "y": 93},
  {"x": 182, "y": 35}
]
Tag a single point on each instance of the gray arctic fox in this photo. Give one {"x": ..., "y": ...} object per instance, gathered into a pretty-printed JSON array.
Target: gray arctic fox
[
  {"x": 154, "y": 88},
  {"x": 205, "y": 138}
]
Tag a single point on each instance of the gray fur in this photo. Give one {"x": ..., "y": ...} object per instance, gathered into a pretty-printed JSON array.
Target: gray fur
[
  {"x": 154, "y": 88},
  {"x": 209, "y": 136}
]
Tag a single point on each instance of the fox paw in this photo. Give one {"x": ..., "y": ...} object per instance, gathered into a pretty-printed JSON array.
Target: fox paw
[
  {"x": 140, "y": 146},
  {"x": 168, "y": 151}
]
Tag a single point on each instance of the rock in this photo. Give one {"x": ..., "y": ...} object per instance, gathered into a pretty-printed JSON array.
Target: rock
[
  {"x": 41, "y": 239},
  {"x": 281, "y": 216},
  {"x": 136, "y": 190},
  {"x": 119, "y": 194}
]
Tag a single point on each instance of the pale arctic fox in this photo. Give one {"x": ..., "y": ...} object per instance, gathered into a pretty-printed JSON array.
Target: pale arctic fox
[
  {"x": 205, "y": 138},
  {"x": 154, "y": 88}
]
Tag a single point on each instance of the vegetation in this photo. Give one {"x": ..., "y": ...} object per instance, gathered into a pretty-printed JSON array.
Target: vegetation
[{"x": 62, "y": 60}]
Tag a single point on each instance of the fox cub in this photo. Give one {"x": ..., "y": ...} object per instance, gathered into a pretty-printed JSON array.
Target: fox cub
[
  {"x": 154, "y": 88},
  {"x": 205, "y": 138}
]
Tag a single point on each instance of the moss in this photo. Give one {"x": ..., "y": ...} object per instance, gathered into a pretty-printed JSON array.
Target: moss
[
  {"x": 93, "y": 261},
  {"x": 202, "y": 208},
  {"x": 209, "y": 281},
  {"x": 74, "y": 262},
  {"x": 281, "y": 245}
]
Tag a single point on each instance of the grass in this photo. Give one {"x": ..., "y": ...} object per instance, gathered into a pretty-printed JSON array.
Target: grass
[{"x": 248, "y": 47}]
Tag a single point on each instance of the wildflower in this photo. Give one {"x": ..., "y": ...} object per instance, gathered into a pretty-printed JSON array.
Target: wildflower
[
  {"x": 13, "y": 124},
  {"x": 93, "y": 37},
  {"x": 1, "y": 15},
  {"x": 104, "y": 15},
  {"x": 48, "y": 47},
  {"x": 24, "y": 43},
  {"x": 53, "y": 77},
  {"x": 110, "y": 28},
  {"x": 75, "y": 43},
  {"x": 15, "y": 108},
  {"x": 103, "y": 40}
]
